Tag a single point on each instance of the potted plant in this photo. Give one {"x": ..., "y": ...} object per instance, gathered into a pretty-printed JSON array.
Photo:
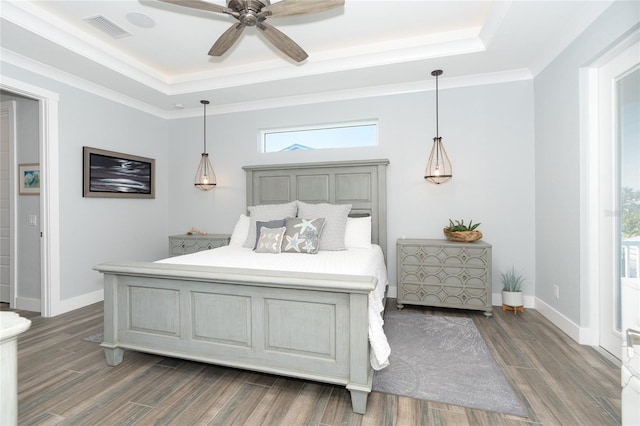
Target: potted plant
[
  {"x": 512, "y": 284},
  {"x": 460, "y": 232}
]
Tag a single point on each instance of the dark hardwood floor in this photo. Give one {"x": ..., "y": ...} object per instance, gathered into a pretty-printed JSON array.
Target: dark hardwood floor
[{"x": 65, "y": 380}]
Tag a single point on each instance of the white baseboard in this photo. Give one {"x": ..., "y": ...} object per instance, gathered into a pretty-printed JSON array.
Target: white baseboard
[
  {"x": 570, "y": 328},
  {"x": 5, "y": 293},
  {"x": 392, "y": 292},
  {"x": 77, "y": 302},
  {"x": 28, "y": 304}
]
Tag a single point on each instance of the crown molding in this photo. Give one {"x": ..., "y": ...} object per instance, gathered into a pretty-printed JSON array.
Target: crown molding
[
  {"x": 362, "y": 93},
  {"x": 47, "y": 71},
  {"x": 9, "y": 57}
]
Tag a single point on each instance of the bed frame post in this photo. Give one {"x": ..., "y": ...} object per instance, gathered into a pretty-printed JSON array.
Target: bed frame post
[
  {"x": 113, "y": 354},
  {"x": 361, "y": 373}
]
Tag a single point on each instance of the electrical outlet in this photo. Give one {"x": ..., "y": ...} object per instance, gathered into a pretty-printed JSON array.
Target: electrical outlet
[{"x": 556, "y": 291}]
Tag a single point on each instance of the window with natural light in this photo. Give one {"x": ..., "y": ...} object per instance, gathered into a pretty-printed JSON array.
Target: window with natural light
[{"x": 343, "y": 135}]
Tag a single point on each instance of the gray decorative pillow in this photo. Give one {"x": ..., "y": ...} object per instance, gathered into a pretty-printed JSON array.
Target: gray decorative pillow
[
  {"x": 279, "y": 223},
  {"x": 270, "y": 240},
  {"x": 267, "y": 212},
  {"x": 302, "y": 235},
  {"x": 332, "y": 237}
]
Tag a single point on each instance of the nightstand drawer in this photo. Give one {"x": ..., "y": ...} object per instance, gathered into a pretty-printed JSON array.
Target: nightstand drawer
[{"x": 185, "y": 244}]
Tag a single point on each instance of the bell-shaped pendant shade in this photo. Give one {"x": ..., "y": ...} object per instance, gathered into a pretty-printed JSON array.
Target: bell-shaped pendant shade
[
  {"x": 205, "y": 177},
  {"x": 438, "y": 167}
]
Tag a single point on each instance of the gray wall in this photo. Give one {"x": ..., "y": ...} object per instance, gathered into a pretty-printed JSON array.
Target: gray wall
[
  {"x": 557, "y": 162},
  {"x": 487, "y": 131},
  {"x": 27, "y": 236},
  {"x": 94, "y": 230}
]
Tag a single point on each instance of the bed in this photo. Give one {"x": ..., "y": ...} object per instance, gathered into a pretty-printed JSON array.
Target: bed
[{"x": 309, "y": 325}]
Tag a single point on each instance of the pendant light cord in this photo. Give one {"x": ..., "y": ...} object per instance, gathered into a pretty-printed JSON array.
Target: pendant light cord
[
  {"x": 205, "y": 126},
  {"x": 437, "y": 130}
]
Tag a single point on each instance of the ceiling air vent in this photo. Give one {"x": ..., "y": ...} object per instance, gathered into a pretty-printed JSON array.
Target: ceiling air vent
[{"x": 107, "y": 26}]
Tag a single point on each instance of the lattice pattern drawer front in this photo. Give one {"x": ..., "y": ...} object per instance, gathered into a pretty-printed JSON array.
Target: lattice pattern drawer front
[
  {"x": 452, "y": 276},
  {"x": 455, "y": 256},
  {"x": 185, "y": 244},
  {"x": 442, "y": 295},
  {"x": 443, "y": 273}
]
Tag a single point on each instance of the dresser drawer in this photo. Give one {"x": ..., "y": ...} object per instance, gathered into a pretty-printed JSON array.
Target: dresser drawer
[{"x": 431, "y": 255}]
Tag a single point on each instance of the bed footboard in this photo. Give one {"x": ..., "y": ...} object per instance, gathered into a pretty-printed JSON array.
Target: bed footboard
[{"x": 310, "y": 326}]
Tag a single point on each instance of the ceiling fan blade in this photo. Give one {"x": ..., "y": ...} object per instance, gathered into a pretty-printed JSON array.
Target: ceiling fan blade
[
  {"x": 226, "y": 40},
  {"x": 300, "y": 7},
  {"x": 282, "y": 42},
  {"x": 199, "y": 4}
]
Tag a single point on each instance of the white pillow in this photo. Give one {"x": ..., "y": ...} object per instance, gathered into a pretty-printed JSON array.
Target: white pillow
[
  {"x": 240, "y": 231},
  {"x": 265, "y": 213},
  {"x": 358, "y": 232},
  {"x": 332, "y": 237}
]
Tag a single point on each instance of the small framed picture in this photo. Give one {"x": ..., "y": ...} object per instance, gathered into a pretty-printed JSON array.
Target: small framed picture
[{"x": 29, "y": 178}]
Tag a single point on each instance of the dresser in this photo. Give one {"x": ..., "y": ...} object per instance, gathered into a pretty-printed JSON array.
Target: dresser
[
  {"x": 445, "y": 274},
  {"x": 185, "y": 244}
]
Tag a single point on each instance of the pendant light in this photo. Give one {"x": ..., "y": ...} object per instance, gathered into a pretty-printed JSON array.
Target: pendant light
[
  {"x": 205, "y": 177},
  {"x": 439, "y": 166}
]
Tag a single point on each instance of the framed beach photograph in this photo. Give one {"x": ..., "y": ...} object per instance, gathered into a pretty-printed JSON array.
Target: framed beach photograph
[
  {"x": 111, "y": 174},
  {"x": 29, "y": 178}
]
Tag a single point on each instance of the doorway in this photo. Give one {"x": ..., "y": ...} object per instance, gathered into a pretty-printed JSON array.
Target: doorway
[
  {"x": 47, "y": 101},
  {"x": 21, "y": 251},
  {"x": 618, "y": 188}
]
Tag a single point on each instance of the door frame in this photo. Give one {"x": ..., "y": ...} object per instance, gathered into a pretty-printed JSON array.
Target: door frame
[
  {"x": 49, "y": 191},
  {"x": 590, "y": 227}
]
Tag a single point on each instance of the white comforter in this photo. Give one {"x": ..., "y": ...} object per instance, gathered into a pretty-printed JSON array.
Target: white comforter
[{"x": 368, "y": 262}]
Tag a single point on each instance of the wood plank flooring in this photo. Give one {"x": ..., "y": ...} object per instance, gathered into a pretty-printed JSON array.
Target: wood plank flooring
[{"x": 65, "y": 380}]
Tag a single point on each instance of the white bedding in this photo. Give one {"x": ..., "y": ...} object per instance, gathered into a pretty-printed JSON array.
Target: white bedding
[{"x": 368, "y": 262}]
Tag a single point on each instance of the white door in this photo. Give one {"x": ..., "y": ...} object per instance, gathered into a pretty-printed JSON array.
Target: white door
[
  {"x": 622, "y": 321},
  {"x": 619, "y": 188},
  {"x": 628, "y": 125},
  {"x": 7, "y": 161}
]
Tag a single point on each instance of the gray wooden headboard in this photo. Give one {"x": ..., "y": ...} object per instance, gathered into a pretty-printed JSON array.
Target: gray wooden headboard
[{"x": 363, "y": 184}]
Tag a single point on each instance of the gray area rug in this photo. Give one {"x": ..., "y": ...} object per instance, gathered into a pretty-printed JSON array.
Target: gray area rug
[{"x": 443, "y": 359}]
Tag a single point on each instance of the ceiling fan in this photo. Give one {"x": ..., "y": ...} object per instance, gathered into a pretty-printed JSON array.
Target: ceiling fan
[{"x": 253, "y": 13}]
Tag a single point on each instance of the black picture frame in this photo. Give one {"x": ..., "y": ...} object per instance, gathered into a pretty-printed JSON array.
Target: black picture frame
[{"x": 108, "y": 174}]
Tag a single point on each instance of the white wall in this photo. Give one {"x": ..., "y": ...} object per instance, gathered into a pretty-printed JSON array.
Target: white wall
[
  {"x": 487, "y": 131},
  {"x": 557, "y": 162},
  {"x": 95, "y": 230}
]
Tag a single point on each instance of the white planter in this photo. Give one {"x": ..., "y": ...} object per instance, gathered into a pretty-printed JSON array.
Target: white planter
[{"x": 512, "y": 298}]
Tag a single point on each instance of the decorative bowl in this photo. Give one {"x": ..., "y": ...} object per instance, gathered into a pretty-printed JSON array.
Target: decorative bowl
[{"x": 462, "y": 236}]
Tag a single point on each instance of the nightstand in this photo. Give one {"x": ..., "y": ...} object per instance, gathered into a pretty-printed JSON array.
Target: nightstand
[
  {"x": 185, "y": 244},
  {"x": 445, "y": 274}
]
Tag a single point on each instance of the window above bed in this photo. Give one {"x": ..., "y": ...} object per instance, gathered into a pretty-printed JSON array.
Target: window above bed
[{"x": 337, "y": 135}]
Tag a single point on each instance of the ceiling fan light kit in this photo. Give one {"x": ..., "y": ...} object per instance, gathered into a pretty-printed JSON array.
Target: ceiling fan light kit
[
  {"x": 254, "y": 13},
  {"x": 439, "y": 166}
]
